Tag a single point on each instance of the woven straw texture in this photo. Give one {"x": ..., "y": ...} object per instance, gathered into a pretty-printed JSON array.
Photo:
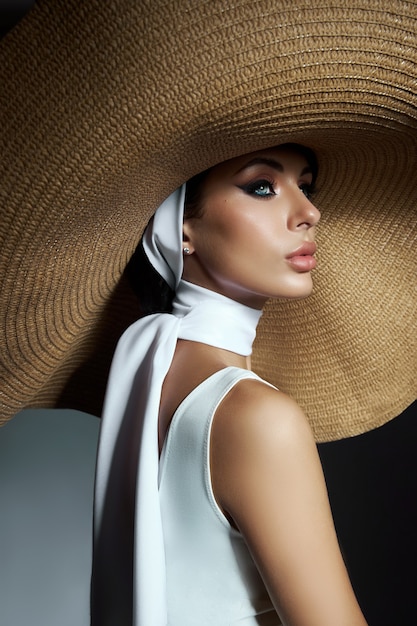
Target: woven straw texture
[{"x": 107, "y": 107}]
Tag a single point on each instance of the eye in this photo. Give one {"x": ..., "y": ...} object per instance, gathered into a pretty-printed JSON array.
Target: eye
[
  {"x": 261, "y": 188},
  {"x": 307, "y": 189}
]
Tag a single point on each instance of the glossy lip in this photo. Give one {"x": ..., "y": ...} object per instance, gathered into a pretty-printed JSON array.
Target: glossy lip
[
  {"x": 302, "y": 259},
  {"x": 307, "y": 249}
]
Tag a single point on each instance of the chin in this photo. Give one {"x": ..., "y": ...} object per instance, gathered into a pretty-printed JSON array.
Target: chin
[{"x": 299, "y": 289}]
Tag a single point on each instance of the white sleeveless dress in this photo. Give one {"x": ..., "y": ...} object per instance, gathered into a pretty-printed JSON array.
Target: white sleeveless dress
[{"x": 211, "y": 577}]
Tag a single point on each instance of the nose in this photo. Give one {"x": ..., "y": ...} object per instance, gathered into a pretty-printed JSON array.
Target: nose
[{"x": 306, "y": 214}]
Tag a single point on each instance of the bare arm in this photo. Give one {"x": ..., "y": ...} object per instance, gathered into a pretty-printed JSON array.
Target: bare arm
[{"x": 267, "y": 476}]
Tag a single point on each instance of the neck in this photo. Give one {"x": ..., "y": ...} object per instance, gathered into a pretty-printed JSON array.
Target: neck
[{"x": 213, "y": 319}]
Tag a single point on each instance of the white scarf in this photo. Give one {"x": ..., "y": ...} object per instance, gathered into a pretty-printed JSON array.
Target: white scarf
[{"x": 128, "y": 584}]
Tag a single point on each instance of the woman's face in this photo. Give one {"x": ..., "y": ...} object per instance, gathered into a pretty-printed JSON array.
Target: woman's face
[{"x": 255, "y": 237}]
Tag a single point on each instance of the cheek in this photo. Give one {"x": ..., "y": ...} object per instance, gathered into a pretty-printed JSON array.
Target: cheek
[
  {"x": 239, "y": 226},
  {"x": 264, "y": 230},
  {"x": 217, "y": 226}
]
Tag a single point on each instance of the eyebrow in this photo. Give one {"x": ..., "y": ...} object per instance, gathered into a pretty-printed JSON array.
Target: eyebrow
[{"x": 276, "y": 165}]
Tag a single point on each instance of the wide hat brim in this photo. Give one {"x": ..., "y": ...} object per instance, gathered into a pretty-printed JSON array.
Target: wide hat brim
[{"x": 106, "y": 108}]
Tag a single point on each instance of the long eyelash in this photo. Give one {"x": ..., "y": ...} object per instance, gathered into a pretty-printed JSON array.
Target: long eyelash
[
  {"x": 309, "y": 190},
  {"x": 250, "y": 187}
]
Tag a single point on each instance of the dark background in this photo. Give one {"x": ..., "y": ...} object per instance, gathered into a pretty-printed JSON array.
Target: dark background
[
  {"x": 372, "y": 482},
  {"x": 11, "y": 12}
]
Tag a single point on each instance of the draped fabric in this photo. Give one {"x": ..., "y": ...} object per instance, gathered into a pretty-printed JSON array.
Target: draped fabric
[{"x": 128, "y": 584}]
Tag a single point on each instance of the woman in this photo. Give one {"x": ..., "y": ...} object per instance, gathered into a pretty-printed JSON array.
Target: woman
[
  {"x": 109, "y": 107},
  {"x": 239, "y": 526}
]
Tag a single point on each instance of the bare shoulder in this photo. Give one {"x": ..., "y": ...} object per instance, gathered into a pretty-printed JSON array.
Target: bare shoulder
[
  {"x": 255, "y": 415},
  {"x": 259, "y": 434}
]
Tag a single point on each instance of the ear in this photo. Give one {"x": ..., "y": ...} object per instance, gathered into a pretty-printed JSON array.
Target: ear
[{"x": 187, "y": 236}]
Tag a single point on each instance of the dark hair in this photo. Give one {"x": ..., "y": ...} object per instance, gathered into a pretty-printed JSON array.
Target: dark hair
[
  {"x": 155, "y": 295},
  {"x": 193, "y": 206}
]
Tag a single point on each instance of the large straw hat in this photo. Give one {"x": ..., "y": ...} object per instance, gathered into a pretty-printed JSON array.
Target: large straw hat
[{"x": 107, "y": 107}]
